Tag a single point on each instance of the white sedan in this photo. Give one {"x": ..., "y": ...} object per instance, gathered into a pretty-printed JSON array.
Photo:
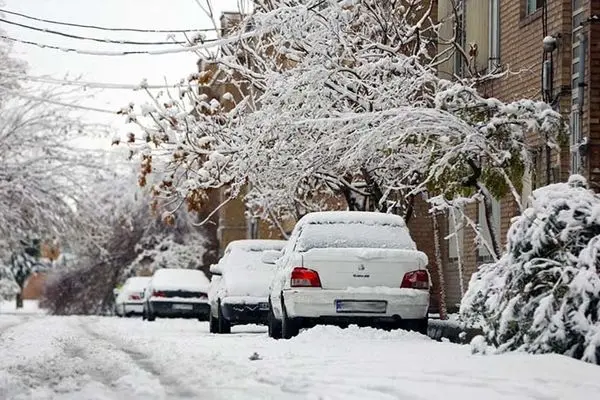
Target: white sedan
[
  {"x": 349, "y": 267},
  {"x": 130, "y": 298},
  {"x": 239, "y": 286}
]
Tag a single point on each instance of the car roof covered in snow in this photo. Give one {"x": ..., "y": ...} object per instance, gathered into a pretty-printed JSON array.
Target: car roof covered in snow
[
  {"x": 256, "y": 245},
  {"x": 352, "y": 217},
  {"x": 137, "y": 282},
  {"x": 180, "y": 279}
]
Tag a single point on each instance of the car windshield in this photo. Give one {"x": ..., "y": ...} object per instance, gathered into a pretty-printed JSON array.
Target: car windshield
[{"x": 354, "y": 235}]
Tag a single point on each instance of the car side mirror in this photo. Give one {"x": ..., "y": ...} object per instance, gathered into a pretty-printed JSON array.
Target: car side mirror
[
  {"x": 270, "y": 256},
  {"x": 116, "y": 291},
  {"x": 215, "y": 269}
]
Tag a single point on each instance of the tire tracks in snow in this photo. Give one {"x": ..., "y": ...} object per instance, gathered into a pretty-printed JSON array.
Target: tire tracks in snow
[
  {"x": 173, "y": 387},
  {"x": 6, "y": 327}
]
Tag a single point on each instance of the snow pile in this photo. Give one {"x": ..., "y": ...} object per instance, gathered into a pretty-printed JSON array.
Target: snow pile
[
  {"x": 180, "y": 279},
  {"x": 543, "y": 295}
]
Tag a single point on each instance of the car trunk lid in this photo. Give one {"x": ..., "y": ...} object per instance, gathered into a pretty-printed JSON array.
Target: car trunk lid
[{"x": 341, "y": 268}]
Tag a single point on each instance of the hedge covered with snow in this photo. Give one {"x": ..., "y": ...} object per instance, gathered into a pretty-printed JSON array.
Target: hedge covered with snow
[{"x": 543, "y": 295}]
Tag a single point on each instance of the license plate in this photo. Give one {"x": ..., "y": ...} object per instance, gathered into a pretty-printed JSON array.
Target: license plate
[
  {"x": 183, "y": 306},
  {"x": 263, "y": 306},
  {"x": 361, "y": 306}
]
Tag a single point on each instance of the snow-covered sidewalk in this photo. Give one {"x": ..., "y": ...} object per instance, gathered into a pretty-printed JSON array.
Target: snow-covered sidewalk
[{"x": 109, "y": 358}]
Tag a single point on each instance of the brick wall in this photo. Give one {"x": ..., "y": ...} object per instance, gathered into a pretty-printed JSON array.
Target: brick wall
[
  {"x": 422, "y": 232},
  {"x": 521, "y": 52},
  {"x": 592, "y": 97}
]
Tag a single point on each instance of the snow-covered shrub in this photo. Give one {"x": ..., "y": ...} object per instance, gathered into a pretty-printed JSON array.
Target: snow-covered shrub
[{"x": 543, "y": 295}]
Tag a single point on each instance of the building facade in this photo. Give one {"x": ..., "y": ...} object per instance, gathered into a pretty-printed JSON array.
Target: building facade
[{"x": 540, "y": 49}]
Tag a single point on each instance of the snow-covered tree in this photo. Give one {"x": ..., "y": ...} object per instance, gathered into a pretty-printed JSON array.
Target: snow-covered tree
[
  {"x": 132, "y": 239},
  {"x": 340, "y": 98},
  {"x": 24, "y": 262},
  {"x": 543, "y": 295}
]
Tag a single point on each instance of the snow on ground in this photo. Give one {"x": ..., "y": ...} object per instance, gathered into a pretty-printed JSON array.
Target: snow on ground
[
  {"x": 64, "y": 358},
  {"x": 29, "y": 307}
]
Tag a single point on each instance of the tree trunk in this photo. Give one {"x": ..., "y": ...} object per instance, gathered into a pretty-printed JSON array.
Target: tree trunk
[
  {"x": 374, "y": 190},
  {"x": 19, "y": 300},
  {"x": 440, "y": 269},
  {"x": 410, "y": 208},
  {"x": 487, "y": 205}
]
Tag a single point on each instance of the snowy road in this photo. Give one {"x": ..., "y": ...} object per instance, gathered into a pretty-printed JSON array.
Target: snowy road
[{"x": 110, "y": 358}]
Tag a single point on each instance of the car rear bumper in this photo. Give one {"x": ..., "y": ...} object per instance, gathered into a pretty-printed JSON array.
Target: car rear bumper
[
  {"x": 245, "y": 313},
  {"x": 177, "y": 309},
  {"x": 401, "y": 304},
  {"x": 133, "y": 308}
]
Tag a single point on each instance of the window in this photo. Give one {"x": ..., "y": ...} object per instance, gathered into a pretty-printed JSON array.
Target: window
[
  {"x": 532, "y": 6},
  {"x": 494, "y": 35},
  {"x": 576, "y": 139},
  {"x": 461, "y": 40}
]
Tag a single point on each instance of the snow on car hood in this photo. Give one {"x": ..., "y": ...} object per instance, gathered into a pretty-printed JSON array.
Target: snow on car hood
[
  {"x": 246, "y": 275},
  {"x": 180, "y": 279}
]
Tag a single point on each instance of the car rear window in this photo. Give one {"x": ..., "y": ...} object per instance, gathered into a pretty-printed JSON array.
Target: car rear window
[{"x": 354, "y": 235}]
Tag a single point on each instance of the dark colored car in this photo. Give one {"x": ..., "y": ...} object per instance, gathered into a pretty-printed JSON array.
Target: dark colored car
[{"x": 177, "y": 293}]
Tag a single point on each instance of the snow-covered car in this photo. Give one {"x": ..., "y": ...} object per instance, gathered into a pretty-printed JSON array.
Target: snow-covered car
[
  {"x": 130, "y": 297},
  {"x": 240, "y": 284},
  {"x": 349, "y": 267},
  {"x": 177, "y": 293}
]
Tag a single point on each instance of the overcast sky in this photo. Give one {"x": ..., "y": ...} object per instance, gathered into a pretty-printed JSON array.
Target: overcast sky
[{"x": 143, "y": 14}]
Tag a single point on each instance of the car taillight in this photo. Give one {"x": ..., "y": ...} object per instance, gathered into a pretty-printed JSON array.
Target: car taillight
[
  {"x": 416, "y": 280},
  {"x": 158, "y": 293},
  {"x": 134, "y": 297},
  {"x": 304, "y": 277}
]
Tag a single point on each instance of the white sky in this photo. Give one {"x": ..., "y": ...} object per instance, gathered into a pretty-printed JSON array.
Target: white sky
[{"x": 142, "y": 14}]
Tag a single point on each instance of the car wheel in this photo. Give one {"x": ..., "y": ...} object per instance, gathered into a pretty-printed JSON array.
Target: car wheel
[
  {"x": 213, "y": 324},
  {"x": 289, "y": 327},
  {"x": 150, "y": 316},
  {"x": 273, "y": 324},
  {"x": 422, "y": 326},
  {"x": 224, "y": 325}
]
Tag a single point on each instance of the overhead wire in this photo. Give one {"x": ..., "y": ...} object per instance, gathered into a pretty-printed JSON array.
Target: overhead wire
[
  {"x": 103, "y": 28},
  {"x": 58, "y": 103},
  {"x": 94, "y": 39},
  {"x": 206, "y": 44},
  {"x": 95, "y": 85}
]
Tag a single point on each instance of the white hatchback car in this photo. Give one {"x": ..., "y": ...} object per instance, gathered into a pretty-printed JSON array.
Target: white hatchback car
[
  {"x": 349, "y": 267},
  {"x": 239, "y": 287},
  {"x": 130, "y": 298}
]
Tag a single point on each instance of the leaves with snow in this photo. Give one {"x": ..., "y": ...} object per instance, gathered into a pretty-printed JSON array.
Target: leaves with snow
[{"x": 543, "y": 295}]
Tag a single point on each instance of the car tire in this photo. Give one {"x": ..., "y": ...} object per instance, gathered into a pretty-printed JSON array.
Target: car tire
[
  {"x": 150, "y": 316},
  {"x": 144, "y": 314},
  {"x": 422, "y": 326},
  {"x": 273, "y": 324},
  {"x": 224, "y": 325},
  {"x": 289, "y": 327},
  {"x": 213, "y": 324}
]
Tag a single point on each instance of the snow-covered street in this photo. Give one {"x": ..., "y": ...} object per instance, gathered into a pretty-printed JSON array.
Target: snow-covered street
[{"x": 44, "y": 357}]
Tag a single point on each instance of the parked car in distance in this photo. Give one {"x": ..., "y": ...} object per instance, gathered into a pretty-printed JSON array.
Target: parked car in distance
[
  {"x": 240, "y": 284},
  {"x": 349, "y": 267},
  {"x": 130, "y": 297},
  {"x": 177, "y": 293}
]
